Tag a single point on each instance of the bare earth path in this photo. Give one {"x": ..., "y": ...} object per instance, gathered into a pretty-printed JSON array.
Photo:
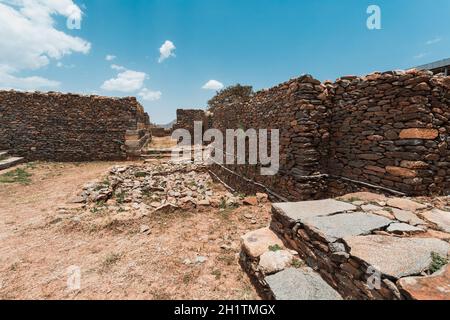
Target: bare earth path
[{"x": 37, "y": 246}]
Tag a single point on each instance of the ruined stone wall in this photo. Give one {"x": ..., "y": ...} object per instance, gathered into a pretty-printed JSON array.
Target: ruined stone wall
[
  {"x": 386, "y": 130},
  {"x": 69, "y": 127},
  {"x": 298, "y": 108},
  {"x": 391, "y": 129}
]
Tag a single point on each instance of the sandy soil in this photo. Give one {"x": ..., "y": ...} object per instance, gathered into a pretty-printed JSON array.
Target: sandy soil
[{"x": 39, "y": 243}]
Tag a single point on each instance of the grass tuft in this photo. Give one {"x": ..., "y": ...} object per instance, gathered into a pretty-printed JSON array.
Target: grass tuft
[{"x": 16, "y": 176}]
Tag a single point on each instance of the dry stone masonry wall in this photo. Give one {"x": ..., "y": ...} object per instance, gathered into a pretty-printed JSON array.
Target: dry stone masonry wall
[
  {"x": 299, "y": 109},
  {"x": 69, "y": 127},
  {"x": 386, "y": 130}
]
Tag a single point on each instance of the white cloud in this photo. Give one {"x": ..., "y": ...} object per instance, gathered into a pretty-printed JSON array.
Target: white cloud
[
  {"x": 420, "y": 55},
  {"x": 118, "y": 68},
  {"x": 148, "y": 95},
  {"x": 126, "y": 81},
  {"x": 110, "y": 57},
  {"x": 433, "y": 41},
  {"x": 166, "y": 51},
  {"x": 29, "y": 39},
  {"x": 8, "y": 81},
  {"x": 213, "y": 85}
]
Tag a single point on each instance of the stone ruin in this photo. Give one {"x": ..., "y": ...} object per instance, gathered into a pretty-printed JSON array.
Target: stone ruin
[
  {"x": 385, "y": 131},
  {"x": 70, "y": 127}
]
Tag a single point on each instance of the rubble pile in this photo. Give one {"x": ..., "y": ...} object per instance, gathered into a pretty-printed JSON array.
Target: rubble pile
[{"x": 151, "y": 188}]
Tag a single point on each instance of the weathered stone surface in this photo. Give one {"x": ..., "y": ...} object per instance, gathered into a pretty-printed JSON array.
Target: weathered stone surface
[
  {"x": 257, "y": 242},
  {"x": 274, "y": 261},
  {"x": 408, "y": 217},
  {"x": 403, "y": 228},
  {"x": 405, "y": 204},
  {"x": 440, "y": 218},
  {"x": 345, "y": 225},
  {"x": 419, "y": 133},
  {"x": 396, "y": 257},
  {"x": 300, "y": 211},
  {"x": 435, "y": 287},
  {"x": 300, "y": 284},
  {"x": 364, "y": 196}
]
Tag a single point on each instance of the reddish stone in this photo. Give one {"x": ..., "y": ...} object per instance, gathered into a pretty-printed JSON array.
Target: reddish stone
[
  {"x": 435, "y": 287},
  {"x": 419, "y": 133}
]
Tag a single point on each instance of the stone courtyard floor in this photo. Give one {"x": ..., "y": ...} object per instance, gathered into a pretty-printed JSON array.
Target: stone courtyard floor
[
  {"x": 122, "y": 253},
  {"x": 156, "y": 230}
]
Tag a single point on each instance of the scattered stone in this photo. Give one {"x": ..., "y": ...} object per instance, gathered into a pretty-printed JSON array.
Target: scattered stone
[
  {"x": 401, "y": 172},
  {"x": 200, "y": 259},
  {"x": 146, "y": 229},
  {"x": 405, "y": 204},
  {"x": 300, "y": 284},
  {"x": 299, "y": 211},
  {"x": 400, "y": 228},
  {"x": 440, "y": 218},
  {"x": 434, "y": 287},
  {"x": 396, "y": 257},
  {"x": 274, "y": 261},
  {"x": 205, "y": 203},
  {"x": 257, "y": 242},
  {"x": 262, "y": 197},
  {"x": 251, "y": 201}
]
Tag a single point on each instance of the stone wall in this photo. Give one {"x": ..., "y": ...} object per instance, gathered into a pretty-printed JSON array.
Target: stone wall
[
  {"x": 391, "y": 129},
  {"x": 299, "y": 109},
  {"x": 186, "y": 119},
  {"x": 69, "y": 127},
  {"x": 386, "y": 131}
]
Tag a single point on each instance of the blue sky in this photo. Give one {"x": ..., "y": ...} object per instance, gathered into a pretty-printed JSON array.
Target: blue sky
[{"x": 255, "y": 42}]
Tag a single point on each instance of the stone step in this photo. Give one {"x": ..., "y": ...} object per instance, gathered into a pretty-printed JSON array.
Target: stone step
[
  {"x": 10, "y": 162},
  {"x": 278, "y": 273}
]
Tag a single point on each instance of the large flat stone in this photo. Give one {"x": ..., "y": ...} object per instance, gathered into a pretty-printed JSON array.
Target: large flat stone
[
  {"x": 257, "y": 242},
  {"x": 396, "y": 257},
  {"x": 435, "y": 287},
  {"x": 344, "y": 225},
  {"x": 405, "y": 204},
  {"x": 300, "y": 211},
  {"x": 300, "y": 284},
  {"x": 440, "y": 218}
]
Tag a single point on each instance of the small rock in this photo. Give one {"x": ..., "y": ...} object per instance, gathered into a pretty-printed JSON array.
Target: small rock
[
  {"x": 145, "y": 229},
  {"x": 405, "y": 204},
  {"x": 262, "y": 197},
  {"x": 200, "y": 259},
  {"x": 251, "y": 201}
]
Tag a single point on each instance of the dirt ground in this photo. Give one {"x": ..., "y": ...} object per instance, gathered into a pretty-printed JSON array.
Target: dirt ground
[{"x": 40, "y": 242}]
